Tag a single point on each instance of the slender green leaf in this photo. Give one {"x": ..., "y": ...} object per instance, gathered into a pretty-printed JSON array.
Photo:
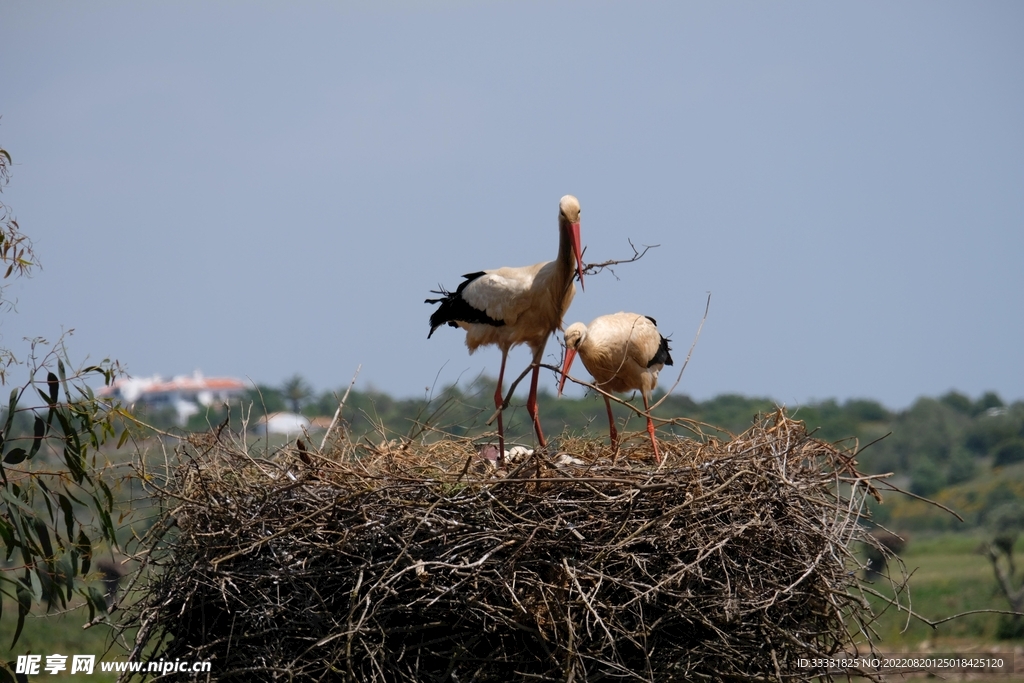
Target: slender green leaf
[
  {"x": 38, "y": 432},
  {"x": 29, "y": 548},
  {"x": 24, "y": 607},
  {"x": 65, "y": 575},
  {"x": 37, "y": 587},
  {"x": 72, "y": 449},
  {"x": 43, "y": 533},
  {"x": 106, "y": 490},
  {"x": 72, "y": 497},
  {"x": 12, "y": 406},
  {"x": 98, "y": 599},
  {"x": 13, "y": 499},
  {"x": 124, "y": 437},
  {"x": 105, "y": 522},
  {"x": 86, "y": 421},
  {"x": 41, "y": 483},
  {"x": 48, "y": 588},
  {"x": 53, "y": 384},
  {"x": 69, "y": 515},
  {"x": 84, "y": 546},
  {"x": 15, "y": 455},
  {"x": 7, "y": 534},
  {"x": 18, "y": 522}
]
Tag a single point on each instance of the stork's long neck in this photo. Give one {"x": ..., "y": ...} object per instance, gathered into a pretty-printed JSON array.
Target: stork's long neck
[{"x": 566, "y": 259}]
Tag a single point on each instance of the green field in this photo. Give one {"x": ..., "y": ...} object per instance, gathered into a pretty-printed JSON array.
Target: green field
[
  {"x": 948, "y": 576},
  {"x": 59, "y": 634}
]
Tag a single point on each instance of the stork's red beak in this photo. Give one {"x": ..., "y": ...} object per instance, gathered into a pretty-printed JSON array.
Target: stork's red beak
[
  {"x": 574, "y": 232},
  {"x": 570, "y": 355}
]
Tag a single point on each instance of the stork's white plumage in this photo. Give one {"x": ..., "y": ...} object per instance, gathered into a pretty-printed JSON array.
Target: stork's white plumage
[
  {"x": 623, "y": 352},
  {"x": 510, "y": 306}
]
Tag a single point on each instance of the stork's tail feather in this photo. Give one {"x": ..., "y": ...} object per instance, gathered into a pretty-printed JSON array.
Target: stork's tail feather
[
  {"x": 441, "y": 315},
  {"x": 444, "y": 295},
  {"x": 662, "y": 356},
  {"x": 453, "y": 309}
]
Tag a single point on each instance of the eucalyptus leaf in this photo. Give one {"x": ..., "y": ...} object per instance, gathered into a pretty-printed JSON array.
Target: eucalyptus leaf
[
  {"x": 43, "y": 534},
  {"x": 69, "y": 515},
  {"x": 84, "y": 546},
  {"x": 98, "y": 599},
  {"x": 38, "y": 432},
  {"x": 15, "y": 455},
  {"x": 54, "y": 386},
  {"x": 11, "y": 408},
  {"x": 24, "y": 607}
]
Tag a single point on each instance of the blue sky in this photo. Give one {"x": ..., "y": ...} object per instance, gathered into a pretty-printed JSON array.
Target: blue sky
[{"x": 261, "y": 189}]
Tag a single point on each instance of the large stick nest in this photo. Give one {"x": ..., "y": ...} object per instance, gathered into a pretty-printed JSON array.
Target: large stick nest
[{"x": 406, "y": 562}]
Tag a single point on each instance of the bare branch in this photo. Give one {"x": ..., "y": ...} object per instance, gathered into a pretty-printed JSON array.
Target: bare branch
[
  {"x": 511, "y": 390},
  {"x": 595, "y": 268},
  {"x": 1013, "y": 596},
  {"x": 337, "y": 413},
  {"x": 639, "y": 411},
  {"x": 892, "y": 487},
  {"x": 689, "y": 353}
]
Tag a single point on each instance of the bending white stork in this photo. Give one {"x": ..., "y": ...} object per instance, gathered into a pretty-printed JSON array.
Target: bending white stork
[
  {"x": 624, "y": 352},
  {"x": 511, "y": 306}
]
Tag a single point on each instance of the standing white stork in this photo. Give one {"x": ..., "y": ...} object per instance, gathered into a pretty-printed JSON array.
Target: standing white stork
[
  {"x": 510, "y": 306},
  {"x": 624, "y": 352}
]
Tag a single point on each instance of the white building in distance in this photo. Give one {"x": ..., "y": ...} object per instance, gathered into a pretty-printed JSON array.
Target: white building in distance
[
  {"x": 289, "y": 424},
  {"x": 185, "y": 393}
]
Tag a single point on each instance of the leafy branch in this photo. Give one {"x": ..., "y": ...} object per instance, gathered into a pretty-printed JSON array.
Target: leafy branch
[
  {"x": 56, "y": 503},
  {"x": 55, "y": 499},
  {"x": 16, "y": 251}
]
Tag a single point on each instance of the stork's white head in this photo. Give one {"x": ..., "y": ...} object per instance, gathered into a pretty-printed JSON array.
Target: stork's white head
[
  {"x": 574, "y": 336},
  {"x": 569, "y": 208},
  {"x": 569, "y": 220}
]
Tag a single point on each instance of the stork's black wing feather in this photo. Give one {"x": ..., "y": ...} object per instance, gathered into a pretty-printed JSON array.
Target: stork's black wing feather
[
  {"x": 662, "y": 356},
  {"x": 454, "y": 309}
]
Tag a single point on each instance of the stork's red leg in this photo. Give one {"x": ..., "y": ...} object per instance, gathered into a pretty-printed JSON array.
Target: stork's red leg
[
  {"x": 612, "y": 433},
  {"x": 498, "y": 402},
  {"x": 531, "y": 403},
  {"x": 650, "y": 429}
]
